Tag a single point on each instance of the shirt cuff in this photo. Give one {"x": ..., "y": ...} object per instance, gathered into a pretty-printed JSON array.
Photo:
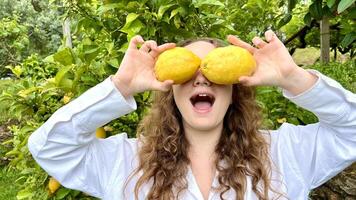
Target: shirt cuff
[
  {"x": 130, "y": 100},
  {"x": 325, "y": 98}
]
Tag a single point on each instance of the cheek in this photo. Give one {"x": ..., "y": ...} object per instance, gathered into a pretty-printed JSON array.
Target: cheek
[
  {"x": 226, "y": 92},
  {"x": 226, "y": 100},
  {"x": 178, "y": 94}
]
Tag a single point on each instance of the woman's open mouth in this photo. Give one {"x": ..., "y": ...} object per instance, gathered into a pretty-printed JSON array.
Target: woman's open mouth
[{"x": 202, "y": 102}]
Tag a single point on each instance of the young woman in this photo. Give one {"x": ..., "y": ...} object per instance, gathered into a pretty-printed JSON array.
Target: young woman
[{"x": 200, "y": 140}]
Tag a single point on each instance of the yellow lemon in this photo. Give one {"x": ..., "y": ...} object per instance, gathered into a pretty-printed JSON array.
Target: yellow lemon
[
  {"x": 225, "y": 65},
  {"x": 100, "y": 132},
  {"x": 281, "y": 120},
  {"x": 178, "y": 64},
  {"x": 66, "y": 99},
  {"x": 53, "y": 185},
  {"x": 108, "y": 128}
]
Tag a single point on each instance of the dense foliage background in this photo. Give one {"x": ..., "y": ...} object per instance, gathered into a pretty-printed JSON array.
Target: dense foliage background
[{"x": 52, "y": 51}]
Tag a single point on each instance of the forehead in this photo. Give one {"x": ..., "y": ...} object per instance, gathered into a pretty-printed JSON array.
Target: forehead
[{"x": 200, "y": 48}]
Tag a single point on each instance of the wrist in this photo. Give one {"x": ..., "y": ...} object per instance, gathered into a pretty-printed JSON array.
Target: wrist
[
  {"x": 298, "y": 81},
  {"x": 121, "y": 86}
]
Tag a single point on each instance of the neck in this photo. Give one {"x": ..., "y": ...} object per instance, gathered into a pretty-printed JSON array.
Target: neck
[{"x": 202, "y": 142}]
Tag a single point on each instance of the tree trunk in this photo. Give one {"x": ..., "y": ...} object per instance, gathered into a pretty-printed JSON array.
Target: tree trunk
[
  {"x": 341, "y": 187},
  {"x": 325, "y": 40},
  {"x": 66, "y": 33}
]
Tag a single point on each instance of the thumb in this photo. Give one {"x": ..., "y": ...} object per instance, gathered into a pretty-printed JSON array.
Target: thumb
[{"x": 249, "y": 81}]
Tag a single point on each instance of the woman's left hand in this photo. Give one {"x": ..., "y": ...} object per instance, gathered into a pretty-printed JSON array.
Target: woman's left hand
[{"x": 275, "y": 65}]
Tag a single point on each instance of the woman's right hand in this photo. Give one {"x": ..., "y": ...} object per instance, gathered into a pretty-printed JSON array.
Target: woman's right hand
[{"x": 136, "y": 71}]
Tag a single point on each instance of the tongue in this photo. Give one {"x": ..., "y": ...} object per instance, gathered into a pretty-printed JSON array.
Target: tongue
[{"x": 202, "y": 105}]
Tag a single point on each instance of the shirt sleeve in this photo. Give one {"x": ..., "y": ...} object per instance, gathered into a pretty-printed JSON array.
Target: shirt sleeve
[
  {"x": 66, "y": 147},
  {"x": 310, "y": 155}
]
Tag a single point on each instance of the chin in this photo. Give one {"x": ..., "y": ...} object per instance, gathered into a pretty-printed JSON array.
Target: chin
[{"x": 202, "y": 124}]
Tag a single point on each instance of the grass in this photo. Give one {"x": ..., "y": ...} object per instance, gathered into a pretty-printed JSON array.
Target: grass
[{"x": 8, "y": 188}]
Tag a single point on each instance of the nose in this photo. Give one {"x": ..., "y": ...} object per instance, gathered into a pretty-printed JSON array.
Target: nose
[{"x": 200, "y": 80}]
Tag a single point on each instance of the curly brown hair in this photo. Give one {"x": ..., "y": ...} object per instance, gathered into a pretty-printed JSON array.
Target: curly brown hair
[{"x": 163, "y": 154}]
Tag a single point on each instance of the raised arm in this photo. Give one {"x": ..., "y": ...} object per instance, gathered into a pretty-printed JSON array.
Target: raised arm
[
  {"x": 310, "y": 155},
  {"x": 307, "y": 156},
  {"x": 65, "y": 145}
]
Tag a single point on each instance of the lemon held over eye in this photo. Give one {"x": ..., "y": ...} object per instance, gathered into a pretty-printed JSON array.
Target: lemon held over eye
[
  {"x": 178, "y": 64},
  {"x": 225, "y": 65}
]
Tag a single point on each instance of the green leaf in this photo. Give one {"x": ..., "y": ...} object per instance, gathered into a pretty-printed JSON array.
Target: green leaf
[
  {"x": 177, "y": 22},
  {"x": 62, "y": 193},
  {"x": 75, "y": 192},
  {"x": 133, "y": 25},
  {"x": 209, "y": 2},
  {"x": 133, "y": 6},
  {"x": 17, "y": 70},
  {"x": 348, "y": 39},
  {"x": 66, "y": 84},
  {"x": 64, "y": 57},
  {"x": 61, "y": 74},
  {"x": 285, "y": 20},
  {"x": 131, "y": 17},
  {"x": 88, "y": 49},
  {"x": 176, "y": 11},
  {"x": 327, "y": 11},
  {"x": 344, "y": 4},
  {"x": 163, "y": 9},
  {"x": 330, "y": 3},
  {"x": 110, "y": 47},
  {"x": 352, "y": 14},
  {"x": 49, "y": 59},
  {"x": 146, "y": 95},
  {"x": 316, "y": 10},
  {"x": 113, "y": 62},
  {"x": 104, "y": 8},
  {"x": 123, "y": 47},
  {"x": 24, "y": 194},
  {"x": 291, "y": 5},
  {"x": 307, "y": 19},
  {"x": 90, "y": 52},
  {"x": 184, "y": 3}
]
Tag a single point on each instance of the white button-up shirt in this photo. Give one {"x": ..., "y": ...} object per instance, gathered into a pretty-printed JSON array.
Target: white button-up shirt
[{"x": 305, "y": 156}]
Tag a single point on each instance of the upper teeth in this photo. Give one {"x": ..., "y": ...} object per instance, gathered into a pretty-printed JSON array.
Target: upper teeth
[{"x": 204, "y": 95}]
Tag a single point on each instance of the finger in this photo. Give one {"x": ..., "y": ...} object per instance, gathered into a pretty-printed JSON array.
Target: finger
[
  {"x": 148, "y": 45},
  {"x": 235, "y": 41},
  {"x": 258, "y": 42},
  {"x": 135, "y": 41},
  {"x": 165, "y": 47},
  {"x": 162, "y": 48},
  {"x": 249, "y": 80},
  {"x": 162, "y": 86},
  {"x": 154, "y": 53},
  {"x": 270, "y": 35}
]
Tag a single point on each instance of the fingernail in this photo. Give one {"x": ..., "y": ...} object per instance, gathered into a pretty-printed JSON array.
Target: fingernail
[
  {"x": 256, "y": 41},
  {"x": 234, "y": 36},
  {"x": 141, "y": 39}
]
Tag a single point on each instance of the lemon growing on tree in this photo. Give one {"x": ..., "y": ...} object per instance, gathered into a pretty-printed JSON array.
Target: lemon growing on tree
[
  {"x": 100, "y": 132},
  {"x": 53, "y": 185}
]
